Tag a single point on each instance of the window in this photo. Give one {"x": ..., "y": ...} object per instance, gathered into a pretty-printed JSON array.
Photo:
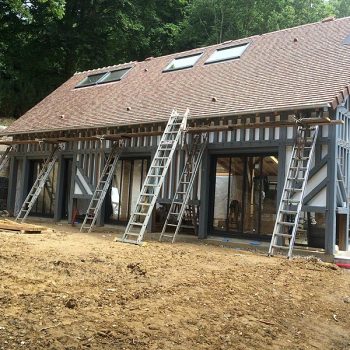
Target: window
[
  {"x": 114, "y": 75},
  {"x": 91, "y": 79},
  {"x": 346, "y": 41},
  {"x": 183, "y": 62},
  {"x": 227, "y": 53},
  {"x": 104, "y": 77}
]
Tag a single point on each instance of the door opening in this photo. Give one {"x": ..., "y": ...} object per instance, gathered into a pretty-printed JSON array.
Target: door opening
[{"x": 244, "y": 195}]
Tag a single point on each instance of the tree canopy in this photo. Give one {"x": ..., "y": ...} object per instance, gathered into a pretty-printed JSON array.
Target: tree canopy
[{"x": 43, "y": 42}]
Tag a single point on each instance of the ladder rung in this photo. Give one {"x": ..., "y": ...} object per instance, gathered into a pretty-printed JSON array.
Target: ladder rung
[
  {"x": 285, "y": 223},
  {"x": 288, "y": 211},
  {"x": 136, "y": 224},
  {"x": 134, "y": 234},
  {"x": 291, "y": 201},
  {"x": 174, "y": 225},
  {"x": 300, "y": 158},
  {"x": 293, "y": 189},
  {"x": 167, "y": 235},
  {"x": 143, "y": 214},
  {"x": 280, "y": 246},
  {"x": 283, "y": 235},
  {"x": 143, "y": 203},
  {"x": 298, "y": 167}
]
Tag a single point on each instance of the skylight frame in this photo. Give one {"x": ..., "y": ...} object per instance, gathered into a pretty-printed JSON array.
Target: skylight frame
[
  {"x": 168, "y": 69},
  {"x": 109, "y": 73},
  {"x": 211, "y": 61},
  {"x": 83, "y": 82},
  {"x": 103, "y": 76}
]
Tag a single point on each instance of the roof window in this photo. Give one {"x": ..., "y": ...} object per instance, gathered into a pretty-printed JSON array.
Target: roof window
[
  {"x": 91, "y": 79},
  {"x": 105, "y": 77},
  {"x": 114, "y": 75},
  {"x": 346, "y": 41},
  {"x": 227, "y": 53},
  {"x": 183, "y": 62}
]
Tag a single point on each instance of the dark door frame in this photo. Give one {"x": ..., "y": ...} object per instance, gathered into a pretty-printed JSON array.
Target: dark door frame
[{"x": 212, "y": 173}]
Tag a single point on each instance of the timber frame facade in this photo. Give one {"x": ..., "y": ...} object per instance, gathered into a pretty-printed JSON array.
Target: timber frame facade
[{"x": 327, "y": 190}]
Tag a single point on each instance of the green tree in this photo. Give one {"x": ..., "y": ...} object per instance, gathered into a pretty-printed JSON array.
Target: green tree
[
  {"x": 214, "y": 21},
  {"x": 43, "y": 42},
  {"x": 341, "y": 7}
]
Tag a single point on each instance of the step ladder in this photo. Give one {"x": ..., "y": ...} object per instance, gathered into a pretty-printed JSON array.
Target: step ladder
[
  {"x": 179, "y": 204},
  {"x": 102, "y": 187},
  {"x": 4, "y": 157},
  {"x": 39, "y": 182},
  {"x": 286, "y": 225},
  {"x": 146, "y": 201}
]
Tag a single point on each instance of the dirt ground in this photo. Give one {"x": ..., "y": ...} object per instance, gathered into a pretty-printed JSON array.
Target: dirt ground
[{"x": 66, "y": 290}]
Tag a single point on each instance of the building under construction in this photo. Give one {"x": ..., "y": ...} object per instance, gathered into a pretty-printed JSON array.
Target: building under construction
[{"x": 246, "y": 139}]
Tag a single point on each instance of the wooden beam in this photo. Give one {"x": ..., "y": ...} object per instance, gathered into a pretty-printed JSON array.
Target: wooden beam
[{"x": 199, "y": 129}]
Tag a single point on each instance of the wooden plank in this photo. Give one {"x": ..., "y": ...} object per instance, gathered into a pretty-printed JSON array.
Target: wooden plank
[{"x": 21, "y": 227}]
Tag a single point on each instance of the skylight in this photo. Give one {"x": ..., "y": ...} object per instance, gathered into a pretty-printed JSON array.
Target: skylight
[
  {"x": 105, "y": 77},
  {"x": 91, "y": 79},
  {"x": 227, "y": 53},
  {"x": 183, "y": 62},
  {"x": 346, "y": 41},
  {"x": 114, "y": 75}
]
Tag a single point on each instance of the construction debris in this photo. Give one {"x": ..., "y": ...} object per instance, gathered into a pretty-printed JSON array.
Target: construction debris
[{"x": 9, "y": 225}]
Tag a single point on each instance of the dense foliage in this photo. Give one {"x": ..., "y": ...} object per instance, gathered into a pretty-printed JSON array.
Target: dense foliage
[{"x": 43, "y": 42}]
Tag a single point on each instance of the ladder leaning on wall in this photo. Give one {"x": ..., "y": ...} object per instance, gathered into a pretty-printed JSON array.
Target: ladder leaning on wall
[
  {"x": 39, "y": 182},
  {"x": 293, "y": 193},
  {"x": 184, "y": 188},
  {"x": 102, "y": 187},
  {"x": 146, "y": 201}
]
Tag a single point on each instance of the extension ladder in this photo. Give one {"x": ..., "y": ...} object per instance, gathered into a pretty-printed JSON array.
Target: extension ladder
[
  {"x": 4, "y": 157},
  {"x": 184, "y": 188},
  {"x": 39, "y": 183},
  {"x": 289, "y": 210},
  {"x": 146, "y": 201},
  {"x": 102, "y": 187}
]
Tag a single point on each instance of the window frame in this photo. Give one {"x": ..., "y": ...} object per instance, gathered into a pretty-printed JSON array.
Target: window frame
[
  {"x": 104, "y": 75},
  {"x": 166, "y": 69},
  {"x": 102, "y": 80},
  {"x": 81, "y": 83},
  {"x": 229, "y": 58}
]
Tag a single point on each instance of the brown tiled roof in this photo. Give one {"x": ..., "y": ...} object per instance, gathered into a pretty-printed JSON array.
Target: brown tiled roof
[{"x": 301, "y": 67}]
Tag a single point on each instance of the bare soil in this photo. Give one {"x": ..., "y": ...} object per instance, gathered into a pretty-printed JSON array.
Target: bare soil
[{"x": 66, "y": 290}]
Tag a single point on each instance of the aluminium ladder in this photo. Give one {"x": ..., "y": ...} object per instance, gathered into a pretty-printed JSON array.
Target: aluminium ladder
[
  {"x": 102, "y": 188},
  {"x": 146, "y": 201},
  {"x": 184, "y": 188},
  {"x": 289, "y": 210},
  {"x": 4, "y": 157},
  {"x": 39, "y": 183}
]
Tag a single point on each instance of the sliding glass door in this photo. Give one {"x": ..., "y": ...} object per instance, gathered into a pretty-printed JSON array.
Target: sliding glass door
[{"x": 244, "y": 194}]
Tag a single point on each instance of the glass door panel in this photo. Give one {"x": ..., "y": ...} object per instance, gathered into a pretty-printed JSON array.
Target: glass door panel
[
  {"x": 222, "y": 179},
  {"x": 269, "y": 188},
  {"x": 245, "y": 194},
  {"x": 126, "y": 186}
]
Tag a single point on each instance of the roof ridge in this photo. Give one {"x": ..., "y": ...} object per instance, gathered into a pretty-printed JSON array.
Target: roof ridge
[
  {"x": 307, "y": 25},
  {"x": 107, "y": 67}
]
